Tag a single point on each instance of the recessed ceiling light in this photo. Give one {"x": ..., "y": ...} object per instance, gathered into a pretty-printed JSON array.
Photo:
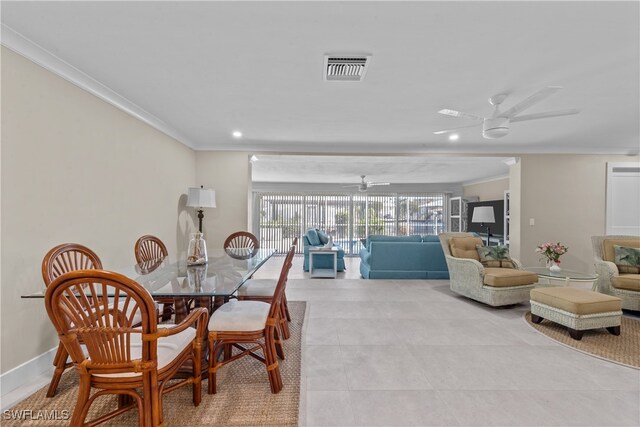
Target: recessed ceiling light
[
  {"x": 454, "y": 137},
  {"x": 237, "y": 134}
]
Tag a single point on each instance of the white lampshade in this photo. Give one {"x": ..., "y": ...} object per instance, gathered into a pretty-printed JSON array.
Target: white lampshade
[
  {"x": 201, "y": 198},
  {"x": 483, "y": 214}
]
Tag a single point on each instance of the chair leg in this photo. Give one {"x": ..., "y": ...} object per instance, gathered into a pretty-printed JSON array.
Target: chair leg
[
  {"x": 278, "y": 342},
  {"x": 197, "y": 370},
  {"x": 283, "y": 322},
  {"x": 228, "y": 351},
  {"x": 60, "y": 362},
  {"x": 271, "y": 362},
  {"x": 286, "y": 308},
  {"x": 213, "y": 364},
  {"x": 157, "y": 415},
  {"x": 82, "y": 404}
]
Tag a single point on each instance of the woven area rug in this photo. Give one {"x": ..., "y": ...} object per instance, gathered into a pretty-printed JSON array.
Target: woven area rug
[
  {"x": 623, "y": 349},
  {"x": 243, "y": 398}
]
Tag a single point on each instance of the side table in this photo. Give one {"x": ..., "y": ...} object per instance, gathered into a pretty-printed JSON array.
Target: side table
[{"x": 319, "y": 253}]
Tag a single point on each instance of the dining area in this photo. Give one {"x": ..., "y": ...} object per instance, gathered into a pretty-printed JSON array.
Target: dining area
[{"x": 130, "y": 335}]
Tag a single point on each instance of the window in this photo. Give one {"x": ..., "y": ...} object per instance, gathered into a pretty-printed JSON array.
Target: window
[{"x": 348, "y": 218}]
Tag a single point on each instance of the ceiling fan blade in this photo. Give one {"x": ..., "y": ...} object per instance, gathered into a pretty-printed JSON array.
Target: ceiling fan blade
[
  {"x": 371, "y": 184},
  {"x": 530, "y": 101},
  {"x": 455, "y": 113},
  {"x": 354, "y": 185},
  {"x": 545, "y": 115},
  {"x": 440, "y": 132}
]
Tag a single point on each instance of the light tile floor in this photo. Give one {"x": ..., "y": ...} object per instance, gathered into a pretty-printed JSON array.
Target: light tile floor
[{"x": 410, "y": 352}]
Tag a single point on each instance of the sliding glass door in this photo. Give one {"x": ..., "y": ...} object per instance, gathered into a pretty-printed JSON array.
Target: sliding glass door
[{"x": 348, "y": 218}]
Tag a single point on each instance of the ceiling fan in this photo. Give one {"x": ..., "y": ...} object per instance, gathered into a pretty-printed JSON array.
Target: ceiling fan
[
  {"x": 497, "y": 125},
  {"x": 364, "y": 185}
]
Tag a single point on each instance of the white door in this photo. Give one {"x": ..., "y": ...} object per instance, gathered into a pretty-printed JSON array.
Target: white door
[{"x": 623, "y": 198}]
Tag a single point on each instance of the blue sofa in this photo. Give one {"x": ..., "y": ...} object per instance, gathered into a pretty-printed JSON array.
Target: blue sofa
[
  {"x": 403, "y": 257},
  {"x": 317, "y": 238}
]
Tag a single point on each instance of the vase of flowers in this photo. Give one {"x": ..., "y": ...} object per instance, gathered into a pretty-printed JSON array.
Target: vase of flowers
[{"x": 551, "y": 253}]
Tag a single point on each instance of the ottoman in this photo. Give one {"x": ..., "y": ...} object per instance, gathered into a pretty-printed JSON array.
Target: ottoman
[{"x": 577, "y": 309}]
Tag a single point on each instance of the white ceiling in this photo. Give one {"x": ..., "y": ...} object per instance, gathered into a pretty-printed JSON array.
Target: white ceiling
[{"x": 205, "y": 69}]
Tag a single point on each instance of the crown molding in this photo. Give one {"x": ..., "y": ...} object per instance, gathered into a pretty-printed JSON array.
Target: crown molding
[
  {"x": 483, "y": 180},
  {"x": 21, "y": 45}
]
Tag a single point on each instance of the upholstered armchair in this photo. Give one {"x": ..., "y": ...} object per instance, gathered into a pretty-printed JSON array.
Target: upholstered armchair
[
  {"x": 317, "y": 238},
  {"x": 611, "y": 280},
  {"x": 494, "y": 286}
]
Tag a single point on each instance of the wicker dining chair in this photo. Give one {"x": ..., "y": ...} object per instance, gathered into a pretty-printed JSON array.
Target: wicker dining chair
[
  {"x": 59, "y": 260},
  {"x": 262, "y": 290},
  {"x": 249, "y": 322},
  {"x": 100, "y": 309},
  {"x": 241, "y": 240},
  {"x": 150, "y": 248}
]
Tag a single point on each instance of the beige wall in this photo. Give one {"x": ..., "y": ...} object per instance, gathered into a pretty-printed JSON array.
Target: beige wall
[
  {"x": 489, "y": 190},
  {"x": 229, "y": 173},
  {"x": 75, "y": 168},
  {"x": 566, "y": 197},
  {"x": 514, "y": 209}
]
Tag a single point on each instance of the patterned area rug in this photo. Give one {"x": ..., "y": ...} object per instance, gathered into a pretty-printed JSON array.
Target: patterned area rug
[
  {"x": 623, "y": 349},
  {"x": 243, "y": 398}
]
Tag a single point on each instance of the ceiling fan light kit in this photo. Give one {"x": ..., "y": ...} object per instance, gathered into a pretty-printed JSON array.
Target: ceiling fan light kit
[
  {"x": 497, "y": 126},
  {"x": 363, "y": 186}
]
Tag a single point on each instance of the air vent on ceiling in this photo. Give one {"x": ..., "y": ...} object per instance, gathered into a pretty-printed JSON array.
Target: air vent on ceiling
[{"x": 350, "y": 68}]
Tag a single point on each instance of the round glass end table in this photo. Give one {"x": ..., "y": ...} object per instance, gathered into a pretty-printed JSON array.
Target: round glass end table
[{"x": 564, "y": 278}]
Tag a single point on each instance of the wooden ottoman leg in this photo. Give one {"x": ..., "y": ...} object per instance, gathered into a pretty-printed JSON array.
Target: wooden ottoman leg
[
  {"x": 614, "y": 330},
  {"x": 536, "y": 319},
  {"x": 575, "y": 334}
]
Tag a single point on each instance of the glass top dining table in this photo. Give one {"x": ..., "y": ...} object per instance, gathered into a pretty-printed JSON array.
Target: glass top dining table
[{"x": 225, "y": 271}]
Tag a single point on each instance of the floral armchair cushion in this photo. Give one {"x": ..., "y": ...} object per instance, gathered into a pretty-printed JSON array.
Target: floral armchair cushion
[
  {"x": 608, "y": 252},
  {"x": 494, "y": 256},
  {"x": 627, "y": 259}
]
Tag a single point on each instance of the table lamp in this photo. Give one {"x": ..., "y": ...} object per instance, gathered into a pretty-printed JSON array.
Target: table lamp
[
  {"x": 484, "y": 214},
  {"x": 200, "y": 198}
]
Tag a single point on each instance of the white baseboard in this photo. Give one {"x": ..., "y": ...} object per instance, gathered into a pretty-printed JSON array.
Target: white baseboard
[{"x": 22, "y": 376}]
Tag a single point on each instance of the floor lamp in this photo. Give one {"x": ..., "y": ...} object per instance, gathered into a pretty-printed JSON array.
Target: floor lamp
[
  {"x": 484, "y": 215},
  {"x": 200, "y": 198}
]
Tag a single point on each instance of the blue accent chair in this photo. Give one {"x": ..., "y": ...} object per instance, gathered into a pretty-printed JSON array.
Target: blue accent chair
[{"x": 316, "y": 238}]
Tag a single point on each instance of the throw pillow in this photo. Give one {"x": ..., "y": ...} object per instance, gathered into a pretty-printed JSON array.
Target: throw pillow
[
  {"x": 495, "y": 256},
  {"x": 627, "y": 259},
  {"x": 312, "y": 236},
  {"x": 465, "y": 247},
  {"x": 324, "y": 237}
]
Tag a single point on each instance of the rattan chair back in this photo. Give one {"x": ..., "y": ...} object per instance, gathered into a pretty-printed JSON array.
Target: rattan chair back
[
  {"x": 241, "y": 240},
  {"x": 68, "y": 257},
  {"x": 150, "y": 248}
]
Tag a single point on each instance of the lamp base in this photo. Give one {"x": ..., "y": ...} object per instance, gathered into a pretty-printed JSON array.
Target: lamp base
[{"x": 200, "y": 217}]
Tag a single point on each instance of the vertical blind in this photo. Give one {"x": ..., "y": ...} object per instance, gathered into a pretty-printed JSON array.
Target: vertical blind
[{"x": 347, "y": 218}]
